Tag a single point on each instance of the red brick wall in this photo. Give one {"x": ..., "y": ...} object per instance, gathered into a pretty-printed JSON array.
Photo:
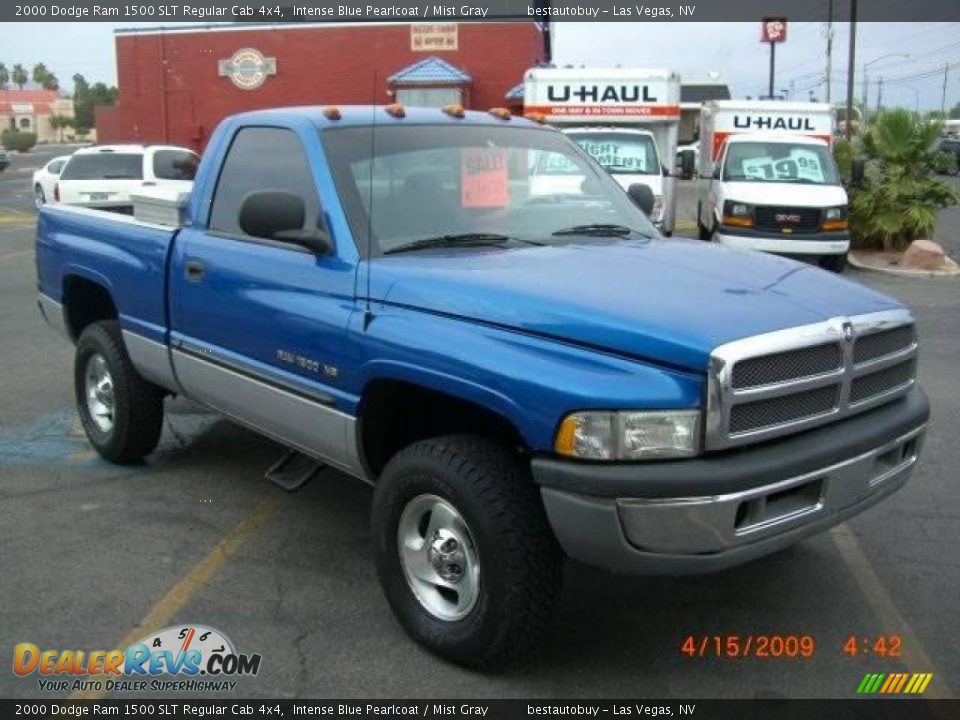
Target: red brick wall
[{"x": 315, "y": 66}]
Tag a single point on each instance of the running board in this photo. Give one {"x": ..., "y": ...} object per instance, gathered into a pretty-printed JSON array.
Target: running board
[{"x": 293, "y": 470}]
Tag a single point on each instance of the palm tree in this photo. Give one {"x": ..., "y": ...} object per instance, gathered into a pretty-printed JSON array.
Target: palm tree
[
  {"x": 19, "y": 75},
  {"x": 4, "y": 76},
  {"x": 40, "y": 74}
]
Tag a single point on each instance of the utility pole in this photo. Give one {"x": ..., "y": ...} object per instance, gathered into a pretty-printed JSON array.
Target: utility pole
[
  {"x": 851, "y": 69},
  {"x": 879, "y": 93},
  {"x": 943, "y": 97},
  {"x": 829, "y": 48}
]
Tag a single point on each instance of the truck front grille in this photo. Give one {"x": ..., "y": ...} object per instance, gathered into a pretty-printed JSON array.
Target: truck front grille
[
  {"x": 790, "y": 380},
  {"x": 796, "y": 219}
]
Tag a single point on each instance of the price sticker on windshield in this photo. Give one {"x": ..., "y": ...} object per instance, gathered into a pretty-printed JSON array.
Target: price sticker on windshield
[
  {"x": 800, "y": 165},
  {"x": 484, "y": 178}
]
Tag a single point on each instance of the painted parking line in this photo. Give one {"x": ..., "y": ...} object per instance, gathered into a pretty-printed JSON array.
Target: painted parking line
[
  {"x": 12, "y": 255},
  {"x": 914, "y": 656},
  {"x": 162, "y": 613},
  {"x": 685, "y": 225}
]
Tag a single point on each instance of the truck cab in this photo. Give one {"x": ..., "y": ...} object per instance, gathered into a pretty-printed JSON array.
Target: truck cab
[{"x": 769, "y": 181}]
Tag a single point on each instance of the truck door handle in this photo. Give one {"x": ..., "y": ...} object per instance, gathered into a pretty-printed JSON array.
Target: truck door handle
[{"x": 194, "y": 270}]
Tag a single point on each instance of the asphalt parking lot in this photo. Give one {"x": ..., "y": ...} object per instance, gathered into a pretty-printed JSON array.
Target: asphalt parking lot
[{"x": 93, "y": 556}]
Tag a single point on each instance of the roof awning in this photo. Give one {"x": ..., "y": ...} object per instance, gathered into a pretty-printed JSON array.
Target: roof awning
[{"x": 430, "y": 71}]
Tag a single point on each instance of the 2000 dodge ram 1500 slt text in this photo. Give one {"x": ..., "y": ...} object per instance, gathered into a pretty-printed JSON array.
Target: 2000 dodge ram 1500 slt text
[{"x": 521, "y": 377}]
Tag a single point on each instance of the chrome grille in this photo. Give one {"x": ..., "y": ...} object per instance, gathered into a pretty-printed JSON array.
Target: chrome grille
[
  {"x": 790, "y": 365},
  {"x": 870, "y": 347},
  {"x": 783, "y": 409},
  {"x": 790, "y": 380},
  {"x": 882, "y": 381}
]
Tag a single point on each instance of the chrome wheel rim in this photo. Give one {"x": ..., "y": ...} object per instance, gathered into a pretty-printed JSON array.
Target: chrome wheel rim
[
  {"x": 438, "y": 556},
  {"x": 99, "y": 392}
]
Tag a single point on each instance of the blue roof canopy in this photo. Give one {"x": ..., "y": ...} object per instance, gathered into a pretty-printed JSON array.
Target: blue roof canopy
[{"x": 430, "y": 71}]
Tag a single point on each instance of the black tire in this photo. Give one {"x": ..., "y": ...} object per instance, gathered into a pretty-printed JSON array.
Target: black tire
[
  {"x": 39, "y": 197},
  {"x": 834, "y": 263},
  {"x": 703, "y": 232},
  {"x": 520, "y": 559},
  {"x": 137, "y": 418}
]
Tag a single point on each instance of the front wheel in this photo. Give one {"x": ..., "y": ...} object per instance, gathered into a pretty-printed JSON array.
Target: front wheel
[
  {"x": 121, "y": 413},
  {"x": 39, "y": 197},
  {"x": 463, "y": 549},
  {"x": 703, "y": 232},
  {"x": 834, "y": 263}
]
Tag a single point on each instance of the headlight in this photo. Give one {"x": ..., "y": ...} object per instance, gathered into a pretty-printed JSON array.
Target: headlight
[
  {"x": 835, "y": 218},
  {"x": 737, "y": 213},
  {"x": 628, "y": 435}
]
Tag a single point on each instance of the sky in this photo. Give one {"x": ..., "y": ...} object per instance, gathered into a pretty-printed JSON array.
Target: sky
[{"x": 733, "y": 50}]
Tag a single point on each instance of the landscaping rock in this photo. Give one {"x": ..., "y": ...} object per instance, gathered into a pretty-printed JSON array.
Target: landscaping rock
[{"x": 923, "y": 255}]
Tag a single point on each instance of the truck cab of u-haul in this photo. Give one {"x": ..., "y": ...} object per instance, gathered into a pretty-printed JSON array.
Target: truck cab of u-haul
[
  {"x": 627, "y": 119},
  {"x": 768, "y": 180}
]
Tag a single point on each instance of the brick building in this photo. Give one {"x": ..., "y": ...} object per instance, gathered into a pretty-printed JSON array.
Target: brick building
[{"x": 175, "y": 84}]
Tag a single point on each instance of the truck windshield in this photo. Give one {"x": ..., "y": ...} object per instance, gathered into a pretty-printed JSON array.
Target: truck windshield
[
  {"x": 623, "y": 153},
  {"x": 421, "y": 182},
  {"x": 783, "y": 162}
]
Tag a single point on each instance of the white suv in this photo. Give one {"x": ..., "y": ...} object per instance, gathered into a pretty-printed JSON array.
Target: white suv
[{"x": 105, "y": 176}]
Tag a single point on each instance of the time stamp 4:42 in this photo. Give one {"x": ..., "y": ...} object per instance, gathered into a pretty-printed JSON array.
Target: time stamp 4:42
[{"x": 788, "y": 646}]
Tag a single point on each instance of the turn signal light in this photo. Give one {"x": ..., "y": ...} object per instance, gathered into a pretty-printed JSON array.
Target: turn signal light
[
  {"x": 835, "y": 225},
  {"x": 395, "y": 110},
  {"x": 737, "y": 221},
  {"x": 56, "y": 192},
  {"x": 501, "y": 113},
  {"x": 331, "y": 113},
  {"x": 453, "y": 110}
]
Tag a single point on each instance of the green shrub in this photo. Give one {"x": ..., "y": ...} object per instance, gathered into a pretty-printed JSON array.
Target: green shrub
[{"x": 14, "y": 140}]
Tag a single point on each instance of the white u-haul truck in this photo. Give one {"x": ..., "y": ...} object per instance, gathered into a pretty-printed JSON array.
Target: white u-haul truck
[
  {"x": 626, "y": 118},
  {"x": 768, "y": 180}
]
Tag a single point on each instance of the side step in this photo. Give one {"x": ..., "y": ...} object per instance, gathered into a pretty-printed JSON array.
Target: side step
[{"x": 293, "y": 470}]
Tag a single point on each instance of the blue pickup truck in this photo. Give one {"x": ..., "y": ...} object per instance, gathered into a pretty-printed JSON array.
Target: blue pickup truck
[{"x": 522, "y": 377}]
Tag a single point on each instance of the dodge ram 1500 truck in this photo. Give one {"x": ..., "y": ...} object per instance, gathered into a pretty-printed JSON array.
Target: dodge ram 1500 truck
[{"x": 520, "y": 377}]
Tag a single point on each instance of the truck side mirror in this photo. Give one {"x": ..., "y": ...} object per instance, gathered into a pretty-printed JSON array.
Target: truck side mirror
[
  {"x": 857, "y": 171},
  {"x": 642, "y": 197},
  {"x": 279, "y": 215},
  {"x": 686, "y": 164}
]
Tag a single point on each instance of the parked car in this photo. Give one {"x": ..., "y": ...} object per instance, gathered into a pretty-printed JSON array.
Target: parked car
[
  {"x": 4, "y": 159},
  {"x": 518, "y": 376},
  {"x": 46, "y": 178},
  {"x": 105, "y": 176},
  {"x": 950, "y": 147}
]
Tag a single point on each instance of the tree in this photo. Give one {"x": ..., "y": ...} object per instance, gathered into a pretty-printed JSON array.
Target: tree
[
  {"x": 86, "y": 97},
  {"x": 4, "y": 76},
  {"x": 901, "y": 197},
  {"x": 19, "y": 75},
  {"x": 59, "y": 123},
  {"x": 44, "y": 78},
  {"x": 954, "y": 111}
]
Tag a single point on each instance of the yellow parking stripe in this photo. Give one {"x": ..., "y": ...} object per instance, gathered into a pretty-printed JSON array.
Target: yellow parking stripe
[{"x": 170, "y": 604}]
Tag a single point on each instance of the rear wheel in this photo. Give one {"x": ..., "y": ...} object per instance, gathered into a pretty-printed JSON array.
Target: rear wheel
[
  {"x": 463, "y": 549},
  {"x": 703, "y": 232},
  {"x": 834, "y": 263},
  {"x": 121, "y": 413},
  {"x": 39, "y": 197}
]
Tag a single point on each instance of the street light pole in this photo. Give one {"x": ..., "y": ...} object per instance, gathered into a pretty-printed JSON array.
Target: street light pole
[{"x": 851, "y": 67}]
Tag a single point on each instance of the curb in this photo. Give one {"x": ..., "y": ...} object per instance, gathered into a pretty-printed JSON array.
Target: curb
[{"x": 899, "y": 272}]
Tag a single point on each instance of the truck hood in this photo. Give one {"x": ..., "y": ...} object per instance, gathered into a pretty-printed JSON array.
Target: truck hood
[
  {"x": 787, "y": 194},
  {"x": 666, "y": 301}
]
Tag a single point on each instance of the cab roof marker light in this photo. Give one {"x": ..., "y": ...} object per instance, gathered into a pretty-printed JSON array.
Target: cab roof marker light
[
  {"x": 331, "y": 113},
  {"x": 501, "y": 113},
  {"x": 453, "y": 110},
  {"x": 536, "y": 117},
  {"x": 395, "y": 110}
]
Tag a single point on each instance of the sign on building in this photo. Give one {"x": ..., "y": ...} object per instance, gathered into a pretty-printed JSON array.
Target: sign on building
[
  {"x": 247, "y": 68},
  {"x": 433, "y": 37}
]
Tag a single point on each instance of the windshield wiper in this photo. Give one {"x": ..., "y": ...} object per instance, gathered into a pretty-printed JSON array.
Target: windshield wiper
[
  {"x": 600, "y": 230},
  {"x": 474, "y": 239}
]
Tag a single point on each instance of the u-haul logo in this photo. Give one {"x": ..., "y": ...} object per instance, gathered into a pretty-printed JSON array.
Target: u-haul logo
[
  {"x": 769, "y": 122},
  {"x": 601, "y": 93}
]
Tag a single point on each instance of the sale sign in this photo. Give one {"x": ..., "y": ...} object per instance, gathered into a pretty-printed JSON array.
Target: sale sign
[
  {"x": 773, "y": 30},
  {"x": 484, "y": 178}
]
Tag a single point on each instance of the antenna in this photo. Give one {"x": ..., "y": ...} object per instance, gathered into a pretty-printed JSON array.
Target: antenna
[{"x": 367, "y": 312}]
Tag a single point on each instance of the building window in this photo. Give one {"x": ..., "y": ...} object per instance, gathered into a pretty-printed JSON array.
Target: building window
[
  {"x": 25, "y": 123},
  {"x": 429, "y": 97}
]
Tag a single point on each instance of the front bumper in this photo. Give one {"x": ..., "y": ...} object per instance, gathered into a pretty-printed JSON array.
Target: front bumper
[
  {"x": 713, "y": 512},
  {"x": 821, "y": 243}
]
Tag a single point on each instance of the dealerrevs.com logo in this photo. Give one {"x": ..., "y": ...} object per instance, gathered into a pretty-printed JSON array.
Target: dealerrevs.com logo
[{"x": 181, "y": 658}]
